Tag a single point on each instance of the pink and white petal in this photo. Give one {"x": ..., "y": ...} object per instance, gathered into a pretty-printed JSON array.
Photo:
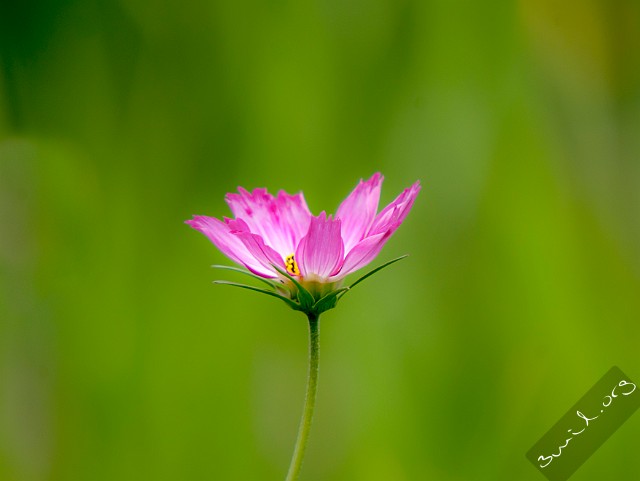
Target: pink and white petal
[
  {"x": 255, "y": 245},
  {"x": 394, "y": 213},
  {"x": 362, "y": 254},
  {"x": 261, "y": 211},
  {"x": 255, "y": 208},
  {"x": 294, "y": 214},
  {"x": 359, "y": 209},
  {"x": 230, "y": 245},
  {"x": 321, "y": 251}
]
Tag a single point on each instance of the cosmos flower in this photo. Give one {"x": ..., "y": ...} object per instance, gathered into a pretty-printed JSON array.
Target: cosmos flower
[
  {"x": 303, "y": 258},
  {"x": 278, "y": 239}
]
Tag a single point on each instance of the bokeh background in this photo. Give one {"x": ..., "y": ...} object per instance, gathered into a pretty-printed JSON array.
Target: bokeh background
[{"x": 119, "y": 119}]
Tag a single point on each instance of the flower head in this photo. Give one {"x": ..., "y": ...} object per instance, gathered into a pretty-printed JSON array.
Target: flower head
[{"x": 279, "y": 240}]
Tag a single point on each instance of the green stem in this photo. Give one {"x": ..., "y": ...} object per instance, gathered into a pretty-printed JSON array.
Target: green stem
[{"x": 309, "y": 401}]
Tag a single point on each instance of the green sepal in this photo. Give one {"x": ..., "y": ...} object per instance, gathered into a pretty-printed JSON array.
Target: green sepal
[
  {"x": 328, "y": 302},
  {"x": 246, "y": 272},
  {"x": 370, "y": 273},
  {"x": 304, "y": 296},
  {"x": 289, "y": 302}
]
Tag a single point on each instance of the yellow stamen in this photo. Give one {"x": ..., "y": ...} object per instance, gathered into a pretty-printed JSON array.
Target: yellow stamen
[{"x": 291, "y": 265}]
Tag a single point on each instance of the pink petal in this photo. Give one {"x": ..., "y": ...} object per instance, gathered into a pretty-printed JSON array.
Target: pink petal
[
  {"x": 358, "y": 210},
  {"x": 294, "y": 215},
  {"x": 280, "y": 222},
  {"x": 229, "y": 244},
  {"x": 383, "y": 226},
  {"x": 261, "y": 252},
  {"x": 363, "y": 253},
  {"x": 390, "y": 218},
  {"x": 321, "y": 251}
]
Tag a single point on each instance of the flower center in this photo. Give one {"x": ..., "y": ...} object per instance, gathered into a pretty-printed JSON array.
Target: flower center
[{"x": 291, "y": 265}]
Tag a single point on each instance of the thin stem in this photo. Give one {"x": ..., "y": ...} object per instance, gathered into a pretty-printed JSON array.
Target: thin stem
[{"x": 309, "y": 401}]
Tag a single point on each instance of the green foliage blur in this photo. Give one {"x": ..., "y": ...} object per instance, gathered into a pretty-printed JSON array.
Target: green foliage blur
[{"x": 120, "y": 360}]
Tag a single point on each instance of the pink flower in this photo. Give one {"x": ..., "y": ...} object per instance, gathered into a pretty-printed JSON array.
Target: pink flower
[
  {"x": 280, "y": 231},
  {"x": 304, "y": 258}
]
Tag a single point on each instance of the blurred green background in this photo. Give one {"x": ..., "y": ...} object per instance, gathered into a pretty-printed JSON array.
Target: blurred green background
[{"x": 119, "y": 360}]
